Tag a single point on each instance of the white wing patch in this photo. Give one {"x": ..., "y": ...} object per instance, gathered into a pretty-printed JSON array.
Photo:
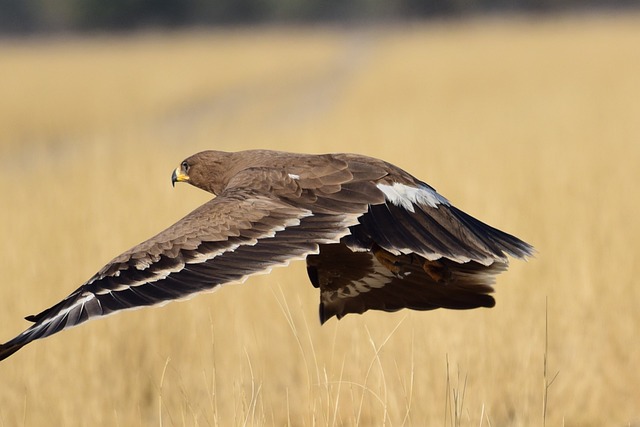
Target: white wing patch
[{"x": 407, "y": 196}]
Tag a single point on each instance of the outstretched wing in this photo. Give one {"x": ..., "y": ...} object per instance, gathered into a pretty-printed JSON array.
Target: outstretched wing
[{"x": 225, "y": 240}]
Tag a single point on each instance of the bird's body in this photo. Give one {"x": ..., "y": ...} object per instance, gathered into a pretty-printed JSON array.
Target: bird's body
[{"x": 374, "y": 237}]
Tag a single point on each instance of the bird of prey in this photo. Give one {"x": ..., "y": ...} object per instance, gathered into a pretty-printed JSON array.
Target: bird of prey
[{"x": 374, "y": 238}]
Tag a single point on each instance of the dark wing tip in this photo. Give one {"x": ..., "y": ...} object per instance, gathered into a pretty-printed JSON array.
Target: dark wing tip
[
  {"x": 476, "y": 301},
  {"x": 322, "y": 314},
  {"x": 8, "y": 349},
  {"x": 497, "y": 241},
  {"x": 312, "y": 272},
  {"x": 491, "y": 302},
  {"x": 326, "y": 312}
]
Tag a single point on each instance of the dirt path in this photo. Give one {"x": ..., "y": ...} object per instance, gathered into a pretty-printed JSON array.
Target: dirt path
[{"x": 277, "y": 102}]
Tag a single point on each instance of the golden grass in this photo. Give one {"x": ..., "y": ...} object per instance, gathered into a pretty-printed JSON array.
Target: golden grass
[{"x": 531, "y": 125}]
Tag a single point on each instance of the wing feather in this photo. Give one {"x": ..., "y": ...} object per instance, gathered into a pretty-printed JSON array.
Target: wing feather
[
  {"x": 226, "y": 240},
  {"x": 434, "y": 232},
  {"x": 354, "y": 282}
]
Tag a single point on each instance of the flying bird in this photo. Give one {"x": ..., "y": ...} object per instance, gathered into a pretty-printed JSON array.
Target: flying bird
[{"x": 374, "y": 238}]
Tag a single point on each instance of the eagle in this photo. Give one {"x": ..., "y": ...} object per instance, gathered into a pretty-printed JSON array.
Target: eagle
[{"x": 374, "y": 237}]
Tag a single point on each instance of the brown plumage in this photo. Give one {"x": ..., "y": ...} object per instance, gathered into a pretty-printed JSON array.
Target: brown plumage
[{"x": 374, "y": 237}]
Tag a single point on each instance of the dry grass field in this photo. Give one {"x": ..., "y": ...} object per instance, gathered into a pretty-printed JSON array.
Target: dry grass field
[{"x": 532, "y": 125}]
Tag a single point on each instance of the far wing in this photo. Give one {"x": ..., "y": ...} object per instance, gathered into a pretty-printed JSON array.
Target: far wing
[{"x": 354, "y": 282}]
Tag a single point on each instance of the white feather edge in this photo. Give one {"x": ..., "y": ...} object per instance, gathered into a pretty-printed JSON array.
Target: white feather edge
[{"x": 88, "y": 296}]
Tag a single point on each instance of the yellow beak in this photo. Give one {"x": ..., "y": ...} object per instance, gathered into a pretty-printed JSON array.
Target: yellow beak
[{"x": 178, "y": 176}]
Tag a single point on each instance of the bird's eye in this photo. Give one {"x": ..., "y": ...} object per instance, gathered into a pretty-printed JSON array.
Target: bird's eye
[{"x": 185, "y": 166}]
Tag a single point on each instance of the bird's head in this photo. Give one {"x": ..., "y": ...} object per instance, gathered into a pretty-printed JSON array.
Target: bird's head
[{"x": 206, "y": 170}]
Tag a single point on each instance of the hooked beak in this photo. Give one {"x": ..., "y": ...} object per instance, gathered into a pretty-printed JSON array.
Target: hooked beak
[{"x": 178, "y": 176}]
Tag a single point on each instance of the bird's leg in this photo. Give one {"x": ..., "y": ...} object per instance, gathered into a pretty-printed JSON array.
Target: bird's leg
[
  {"x": 389, "y": 260},
  {"x": 436, "y": 270}
]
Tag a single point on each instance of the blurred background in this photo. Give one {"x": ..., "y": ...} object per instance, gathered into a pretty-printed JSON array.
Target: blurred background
[
  {"x": 525, "y": 114},
  {"x": 42, "y": 16}
]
